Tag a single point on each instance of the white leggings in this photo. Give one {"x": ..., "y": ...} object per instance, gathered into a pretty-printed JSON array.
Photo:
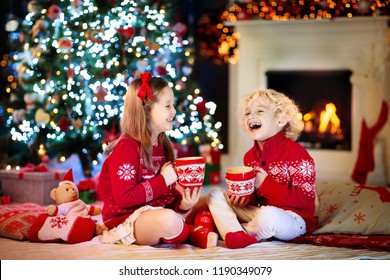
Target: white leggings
[{"x": 262, "y": 222}]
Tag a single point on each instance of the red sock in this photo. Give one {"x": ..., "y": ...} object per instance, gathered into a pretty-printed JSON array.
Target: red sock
[
  {"x": 203, "y": 237},
  {"x": 181, "y": 237},
  {"x": 238, "y": 239}
]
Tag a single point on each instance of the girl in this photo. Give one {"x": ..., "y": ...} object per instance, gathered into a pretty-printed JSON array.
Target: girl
[
  {"x": 142, "y": 203},
  {"x": 283, "y": 203}
]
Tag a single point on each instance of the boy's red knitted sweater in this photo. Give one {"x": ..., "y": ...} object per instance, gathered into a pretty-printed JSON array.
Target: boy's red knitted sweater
[
  {"x": 126, "y": 185},
  {"x": 291, "y": 181}
]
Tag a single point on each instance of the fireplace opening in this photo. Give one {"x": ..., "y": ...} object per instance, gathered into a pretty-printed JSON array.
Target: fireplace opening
[{"x": 325, "y": 100}]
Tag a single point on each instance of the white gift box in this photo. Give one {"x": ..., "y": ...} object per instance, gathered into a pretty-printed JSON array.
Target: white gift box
[{"x": 30, "y": 186}]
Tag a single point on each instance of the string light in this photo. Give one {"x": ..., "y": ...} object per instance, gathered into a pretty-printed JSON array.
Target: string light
[{"x": 289, "y": 10}]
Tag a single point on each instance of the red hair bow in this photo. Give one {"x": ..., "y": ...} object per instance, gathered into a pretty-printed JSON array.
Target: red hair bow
[{"x": 145, "y": 89}]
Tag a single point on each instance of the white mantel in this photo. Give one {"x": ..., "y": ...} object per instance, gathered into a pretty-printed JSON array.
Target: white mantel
[{"x": 360, "y": 44}]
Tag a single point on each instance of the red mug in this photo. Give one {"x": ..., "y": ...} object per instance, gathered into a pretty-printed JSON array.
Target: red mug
[
  {"x": 190, "y": 171},
  {"x": 240, "y": 180}
]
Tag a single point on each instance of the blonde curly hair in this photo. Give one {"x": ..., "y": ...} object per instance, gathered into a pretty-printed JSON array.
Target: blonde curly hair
[{"x": 283, "y": 107}]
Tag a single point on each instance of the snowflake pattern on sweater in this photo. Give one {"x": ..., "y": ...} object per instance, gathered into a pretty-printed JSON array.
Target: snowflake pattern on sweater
[
  {"x": 291, "y": 181},
  {"x": 126, "y": 172},
  {"x": 126, "y": 184}
]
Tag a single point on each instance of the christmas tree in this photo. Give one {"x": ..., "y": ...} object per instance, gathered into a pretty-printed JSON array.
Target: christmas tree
[{"x": 70, "y": 65}]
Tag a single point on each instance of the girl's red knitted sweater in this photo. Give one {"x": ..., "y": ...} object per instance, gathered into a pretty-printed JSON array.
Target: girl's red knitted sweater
[
  {"x": 291, "y": 181},
  {"x": 126, "y": 185}
]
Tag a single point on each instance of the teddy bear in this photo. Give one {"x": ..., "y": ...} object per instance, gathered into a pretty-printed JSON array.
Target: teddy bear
[
  {"x": 68, "y": 221},
  {"x": 66, "y": 196}
]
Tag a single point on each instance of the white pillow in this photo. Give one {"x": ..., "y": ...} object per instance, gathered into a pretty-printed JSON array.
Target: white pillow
[{"x": 353, "y": 209}]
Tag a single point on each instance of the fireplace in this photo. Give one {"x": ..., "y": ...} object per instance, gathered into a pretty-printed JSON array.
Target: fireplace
[
  {"x": 325, "y": 99},
  {"x": 352, "y": 53}
]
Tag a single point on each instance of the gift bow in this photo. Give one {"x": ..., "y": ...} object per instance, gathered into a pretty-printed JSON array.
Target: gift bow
[
  {"x": 145, "y": 89},
  {"x": 86, "y": 185},
  {"x": 30, "y": 167}
]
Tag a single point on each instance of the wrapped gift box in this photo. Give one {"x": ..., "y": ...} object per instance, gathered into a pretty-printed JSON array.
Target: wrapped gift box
[
  {"x": 212, "y": 174},
  {"x": 87, "y": 190},
  {"x": 30, "y": 186},
  {"x": 88, "y": 196}
]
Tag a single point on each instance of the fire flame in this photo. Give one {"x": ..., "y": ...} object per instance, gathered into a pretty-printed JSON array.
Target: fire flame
[
  {"x": 327, "y": 121},
  {"x": 329, "y": 117}
]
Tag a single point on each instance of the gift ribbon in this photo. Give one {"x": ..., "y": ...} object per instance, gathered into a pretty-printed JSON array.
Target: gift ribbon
[
  {"x": 86, "y": 185},
  {"x": 30, "y": 167}
]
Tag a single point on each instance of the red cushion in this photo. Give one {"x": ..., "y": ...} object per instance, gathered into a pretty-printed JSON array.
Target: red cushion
[{"x": 16, "y": 219}]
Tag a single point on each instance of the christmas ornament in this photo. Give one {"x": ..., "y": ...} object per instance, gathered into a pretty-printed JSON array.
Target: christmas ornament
[
  {"x": 41, "y": 116},
  {"x": 77, "y": 124},
  {"x": 179, "y": 28},
  {"x": 154, "y": 46},
  {"x": 63, "y": 124},
  {"x": 93, "y": 36},
  {"x": 161, "y": 68},
  {"x": 201, "y": 107},
  {"x": 127, "y": 33},
  {"x": 64, "y": 45},
  {"x": 101, "y": 94},
  {"x": 53, "y": 12},
  {"x": 70, "y": 73}
]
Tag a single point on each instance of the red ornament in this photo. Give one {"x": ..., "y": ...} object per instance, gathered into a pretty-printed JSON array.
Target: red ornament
[
  {"x": 63, "y": 124},
  {"x": 53, "y": 12},
  {"x": 70, "y": 73},
  {"x": 65, "y": 45},
  {"x": 179, "y": 28},
  {"x": 127, "y": 33},
  {"x": 201, "y": 108},
  {"x": 161, "y": 70}
]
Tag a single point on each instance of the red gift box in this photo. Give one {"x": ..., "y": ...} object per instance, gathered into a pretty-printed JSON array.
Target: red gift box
[
  {"x": 5, "y": 199},
  {"x": 87, "y": 190}
]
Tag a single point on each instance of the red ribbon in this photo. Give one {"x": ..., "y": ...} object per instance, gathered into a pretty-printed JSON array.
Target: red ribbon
[
  {"x": 145, "y": 89},
  {"x": 86, "y": 185},
  {"x": 30, "y": 167}
]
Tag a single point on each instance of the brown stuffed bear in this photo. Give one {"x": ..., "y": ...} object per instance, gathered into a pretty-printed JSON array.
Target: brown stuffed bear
[
  {"x": 66, "y": 195},
  {"x": 70, "y": 220}
]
